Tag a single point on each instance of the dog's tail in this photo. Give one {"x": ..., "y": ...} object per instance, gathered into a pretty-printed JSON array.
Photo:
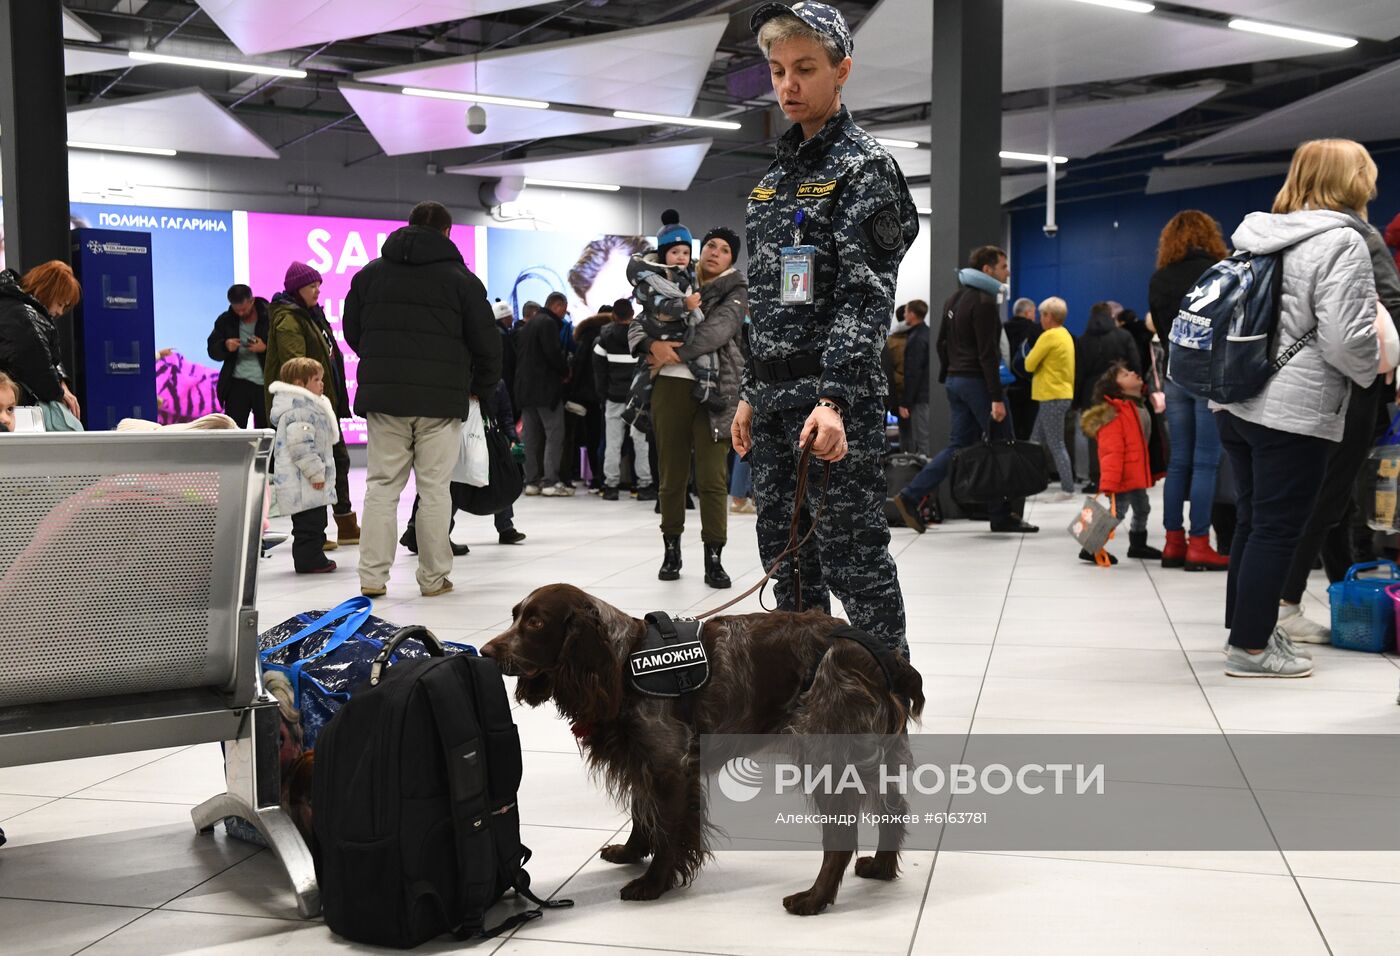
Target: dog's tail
[{"x": 909, "y": 683}]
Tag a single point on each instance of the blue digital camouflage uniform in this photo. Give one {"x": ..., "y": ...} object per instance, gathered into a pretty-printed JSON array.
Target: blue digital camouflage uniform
[{"x": 860, "y": 217}]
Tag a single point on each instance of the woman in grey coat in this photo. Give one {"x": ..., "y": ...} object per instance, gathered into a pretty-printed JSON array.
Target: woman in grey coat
[
  {"x": 1279, "y": 440},
  {"x": 702, "y": 430}
]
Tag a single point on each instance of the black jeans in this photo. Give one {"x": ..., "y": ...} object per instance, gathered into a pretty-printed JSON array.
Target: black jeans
[
  {"x": 244, "y": 398},
  {"x": 308, "y": 535},
  {"x": 505, "y": 519},
  {"x": 1277, "y": 475},
  {"x": 1329, "y": 527}
]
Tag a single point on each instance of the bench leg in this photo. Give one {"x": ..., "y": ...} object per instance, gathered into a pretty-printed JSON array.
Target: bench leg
[{"x": 277, "y": 829}]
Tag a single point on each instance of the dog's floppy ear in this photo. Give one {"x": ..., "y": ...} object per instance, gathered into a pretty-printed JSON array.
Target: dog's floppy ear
[{"x": 588, "y": 680}]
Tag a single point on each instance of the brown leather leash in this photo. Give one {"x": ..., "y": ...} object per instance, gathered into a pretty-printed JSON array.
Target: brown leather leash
[{"x": 794, "y": 545}]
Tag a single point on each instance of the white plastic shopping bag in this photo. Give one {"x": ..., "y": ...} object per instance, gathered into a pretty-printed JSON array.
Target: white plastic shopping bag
[{"x": 474, "y": 459}]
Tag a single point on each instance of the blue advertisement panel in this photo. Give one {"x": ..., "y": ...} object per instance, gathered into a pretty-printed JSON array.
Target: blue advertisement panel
[
  {"x": 193, "y": 266},
  {"x": 115, "y": 331},
  {"x": 588, "y": 268}
]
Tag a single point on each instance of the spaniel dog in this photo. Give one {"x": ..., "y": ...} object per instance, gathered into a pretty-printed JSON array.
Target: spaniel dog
[{"x": 773, "y": 673}]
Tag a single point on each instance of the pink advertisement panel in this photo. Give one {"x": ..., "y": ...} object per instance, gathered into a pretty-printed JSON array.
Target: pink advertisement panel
[{"x": 337, "y": 248}]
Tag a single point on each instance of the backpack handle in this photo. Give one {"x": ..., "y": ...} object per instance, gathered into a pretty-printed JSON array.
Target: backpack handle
[
  {"x": 434, "y": 646},
  {"x": 1390, "y": 566}
]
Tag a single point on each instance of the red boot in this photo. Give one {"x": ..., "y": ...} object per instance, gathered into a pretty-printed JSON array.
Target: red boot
[
  {"x": 1200, "y": 556},
  {"x": 1174, "y": 554}
]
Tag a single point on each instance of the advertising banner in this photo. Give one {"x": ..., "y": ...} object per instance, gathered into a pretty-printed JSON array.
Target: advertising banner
[
  {"x": 589, "y": 268},
  {"x": 337, "y": 248}
]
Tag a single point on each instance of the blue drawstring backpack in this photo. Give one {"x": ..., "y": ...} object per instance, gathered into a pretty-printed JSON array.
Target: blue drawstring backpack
[{"x": 326, "y": 656}]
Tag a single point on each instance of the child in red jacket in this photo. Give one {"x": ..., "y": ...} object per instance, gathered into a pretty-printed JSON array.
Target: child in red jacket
[{"x": 1119, "y": 421}]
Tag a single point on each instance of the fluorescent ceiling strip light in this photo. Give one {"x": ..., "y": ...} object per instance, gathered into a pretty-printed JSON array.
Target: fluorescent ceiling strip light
[
  {"x": 563, "y": 184},
  {"x": 229, "y": 65},
  {"x": 144, "y": 150},
  {"x": 1127, "y": 6},
  {"x": 924, "y": 211},
  {"x": 486, "y": 98},
  {"x": 676, "y": 120},
  {"x": 1292, "y": 33},
  {"x": 1030, "y": 157},
  {"x": 897, "y": 143}
]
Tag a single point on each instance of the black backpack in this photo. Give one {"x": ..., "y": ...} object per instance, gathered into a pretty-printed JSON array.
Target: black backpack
[{"x": 414, "y": 797}]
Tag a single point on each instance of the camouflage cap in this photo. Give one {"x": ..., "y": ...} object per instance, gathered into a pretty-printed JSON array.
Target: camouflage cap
[{"x": 820, "y": 17}]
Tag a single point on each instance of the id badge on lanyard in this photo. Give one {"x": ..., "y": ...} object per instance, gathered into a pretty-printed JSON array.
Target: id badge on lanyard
[{"x": 799, "y": 267}]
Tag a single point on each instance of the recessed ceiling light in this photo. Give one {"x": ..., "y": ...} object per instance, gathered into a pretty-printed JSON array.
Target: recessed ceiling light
[
  {"x": 113, "y": 148},
  {"x": 229, "y": 65},
  {"x": 1292, "y": 33},
  {"x": 1127, "y": 6},
  {"x": 486, "y": 98},
  {"x": 897, "y": 143},
  {"x": 677, "y": 120},
  {"x": 564, "y": 184},
  {"x": 1030, "y": 157}
]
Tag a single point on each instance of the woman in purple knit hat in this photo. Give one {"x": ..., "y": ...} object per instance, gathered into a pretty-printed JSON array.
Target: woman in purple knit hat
[{"x": 299, "y": 329}]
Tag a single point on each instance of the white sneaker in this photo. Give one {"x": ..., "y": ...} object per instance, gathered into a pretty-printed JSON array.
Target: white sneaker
[
  {"x": 532, "y": 490},
  {"x": 1284, "y": 641},
  {"x": 1300, "y": 628},
  {"x": 1275, "y": 661},
  {"x": 559, "y": 490}
]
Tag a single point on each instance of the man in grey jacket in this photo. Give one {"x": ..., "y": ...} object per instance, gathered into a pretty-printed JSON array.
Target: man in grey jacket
[{"x": 1279, "y": 440}]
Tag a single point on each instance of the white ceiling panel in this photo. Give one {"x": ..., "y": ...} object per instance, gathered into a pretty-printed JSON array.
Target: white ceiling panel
[
  {"x": 190, "y": 121},
  {"x": 654, "y": 69},
  {"x": 79, "y": 59},
  {"x": 670, "y": 165},
  {"x": 1012, "y": 187},
  {"x": 1081, "y": 129},
  {"x": 75, "y": 29},
  {"x": 261, "y": 26},
  {"x": 1362, "y": 109},
  {"x": 1374, "y": 19},
  {"x": 1048, "y": 43},
  {"x": 1170, "y": 179},
  {"x": 413, "y": 124}
]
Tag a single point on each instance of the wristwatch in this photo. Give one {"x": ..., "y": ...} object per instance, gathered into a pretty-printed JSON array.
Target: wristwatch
[{"x": 828, "y": 403}]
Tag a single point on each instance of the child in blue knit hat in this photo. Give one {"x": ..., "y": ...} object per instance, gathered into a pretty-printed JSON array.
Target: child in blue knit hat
[{"x": 664, "y": 285}]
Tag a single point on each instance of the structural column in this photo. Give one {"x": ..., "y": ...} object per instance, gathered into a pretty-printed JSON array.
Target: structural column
[
  {"x": 966, "y": 173},
  {"x": 33, "y": 132}
]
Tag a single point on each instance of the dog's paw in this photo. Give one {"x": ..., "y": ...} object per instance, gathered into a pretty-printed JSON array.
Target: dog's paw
[
  {"x": 643, "y": 888},
  {"x": 621, "y": 853},
  {"x": 806, "y": 903},
  {"x": 878, "y": 867}
]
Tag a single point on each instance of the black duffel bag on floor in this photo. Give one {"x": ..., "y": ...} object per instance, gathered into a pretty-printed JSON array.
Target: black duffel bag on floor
[
  {"x": 415, "y": 802},
  {"x": 999, "y": 468},
  {"x": 506, "y": 482}
]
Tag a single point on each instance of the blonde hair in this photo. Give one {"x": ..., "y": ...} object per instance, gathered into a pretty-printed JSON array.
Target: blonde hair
[
  {"x": 299, "y": 371},
  {"x": 1056, "y": 308},
  {"x": 1335, "y": 174},
  {"x": 791, "y": 28},
  {"x": 11, "y": 384}
]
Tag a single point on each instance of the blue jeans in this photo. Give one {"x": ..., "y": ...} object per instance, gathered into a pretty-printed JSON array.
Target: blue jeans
[
  {"x": 1194, "y": 461},
  {"x": 741, "y": 479},
  {"x": 970, "y": 410}
]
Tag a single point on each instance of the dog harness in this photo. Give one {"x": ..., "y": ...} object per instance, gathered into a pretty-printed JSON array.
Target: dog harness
[{"x": 671, "y": 660}]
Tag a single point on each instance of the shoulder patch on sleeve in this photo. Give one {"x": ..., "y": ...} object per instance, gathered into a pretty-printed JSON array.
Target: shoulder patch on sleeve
[
  {"x": 884, "y": 229},
  {"x": 762, "y": 194}
]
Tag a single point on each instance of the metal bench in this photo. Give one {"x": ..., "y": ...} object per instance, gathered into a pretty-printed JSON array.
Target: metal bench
[{"x": 128, "y": 620}]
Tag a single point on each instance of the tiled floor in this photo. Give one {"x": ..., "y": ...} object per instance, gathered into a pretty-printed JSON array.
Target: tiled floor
[{"x": 1012, "y": 635}]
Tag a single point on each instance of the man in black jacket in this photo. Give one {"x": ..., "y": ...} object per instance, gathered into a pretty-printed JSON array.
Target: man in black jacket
[
  {"x": 614, "y": 367},
  {"x": 239, "y": 342},
  {"x": 1022, "y": 330},
  {"x": 427, "y": 340},
  {"x": 540, "y": 371},
  {"x": 913, "y": 399},
  {"x": 969, "y": 346}
]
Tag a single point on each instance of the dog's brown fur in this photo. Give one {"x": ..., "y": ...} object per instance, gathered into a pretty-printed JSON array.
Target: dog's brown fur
[{"x": 567, "y": 646}]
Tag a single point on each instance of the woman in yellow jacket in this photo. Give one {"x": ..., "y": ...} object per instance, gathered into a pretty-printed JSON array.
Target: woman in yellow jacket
[{"x": 1051, "y": 363}]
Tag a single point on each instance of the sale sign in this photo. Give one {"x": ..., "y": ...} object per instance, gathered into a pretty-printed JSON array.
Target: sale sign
[{"x": 337, "y": 248}]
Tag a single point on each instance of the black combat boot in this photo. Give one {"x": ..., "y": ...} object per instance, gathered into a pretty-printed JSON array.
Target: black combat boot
[
  {"x": 671, "y": 565},
  {"x": 714, "y": 571}
]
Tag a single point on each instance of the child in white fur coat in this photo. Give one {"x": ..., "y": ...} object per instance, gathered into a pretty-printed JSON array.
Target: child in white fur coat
[{"x": 303, "y": 464}]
